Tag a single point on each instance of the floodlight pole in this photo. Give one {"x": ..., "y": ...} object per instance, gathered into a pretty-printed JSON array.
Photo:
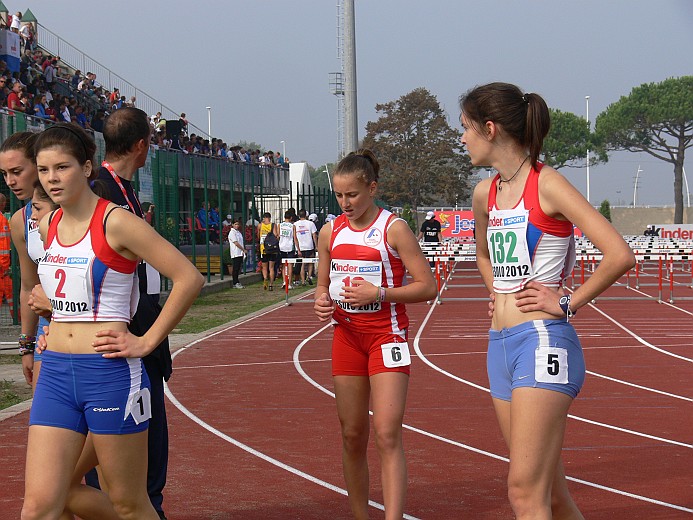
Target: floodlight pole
[{"x": 587, "y": 102}]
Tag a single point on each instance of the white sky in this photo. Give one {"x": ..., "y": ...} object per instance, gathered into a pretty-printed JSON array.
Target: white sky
[{"x": 263, "y": 65}]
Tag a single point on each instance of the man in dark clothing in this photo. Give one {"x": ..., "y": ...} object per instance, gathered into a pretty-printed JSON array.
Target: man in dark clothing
[
  {"x": 430, "y": 229},
  {"x": 126, "y": 134},
  {"x": 430, "y": 232}
]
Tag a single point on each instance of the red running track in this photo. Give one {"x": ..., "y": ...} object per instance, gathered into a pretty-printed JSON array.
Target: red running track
[{"x": 254, "y": 432}]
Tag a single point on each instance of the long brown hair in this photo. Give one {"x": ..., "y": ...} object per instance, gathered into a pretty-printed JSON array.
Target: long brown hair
[{"x": 524, "y": 117}]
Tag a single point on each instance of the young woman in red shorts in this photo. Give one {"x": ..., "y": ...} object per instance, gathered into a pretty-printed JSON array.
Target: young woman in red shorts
[{"x": 367, "y": 253}]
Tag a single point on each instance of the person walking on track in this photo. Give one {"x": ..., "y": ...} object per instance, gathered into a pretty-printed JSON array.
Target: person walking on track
[
  {"x": 524, "y": 225},
  {"x": 367, "y": 252}
]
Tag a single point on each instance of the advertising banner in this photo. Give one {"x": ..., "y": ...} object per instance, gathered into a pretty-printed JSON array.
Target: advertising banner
[
  {"x": 9, "y": 49},
  {"x": 459, "y": 224}
]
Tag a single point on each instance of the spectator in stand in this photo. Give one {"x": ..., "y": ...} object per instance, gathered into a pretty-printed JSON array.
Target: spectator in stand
[
  {"x": 75, "y": 79},
  {"x": 64, "y": 115},
  {"x": 49, "y": 74},
  {"x": 132, "y": 102},
  {"x": 26, "y": 104},
  {"x": 3, "y": 91},
  {"x": 228, "y": 221},
  {"x": 16, "y": 22},
  {"x": 13, "y": 99},
  {"x": 149, "y": 216},
  {"x": 114, "y": 97},
  {"x": 306, "y": 233},
  {"x": 214, "y": 222},
  {"x": 280, "y": 159},
  {"x": 27, "y": 36},
  {"x": 51, "y": 111},
  {"x": 85, "y": 84},
  {"x": 40, "y": 108},
  {"x": 237, "y": 252},
  {"x": 183, "y": 123},
  {"x": 97, "y": 121},
  {"x": 81, "y": 117}
]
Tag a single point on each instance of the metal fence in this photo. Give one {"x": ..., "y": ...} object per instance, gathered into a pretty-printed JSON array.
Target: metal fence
[{"x": 178, "y": 185}]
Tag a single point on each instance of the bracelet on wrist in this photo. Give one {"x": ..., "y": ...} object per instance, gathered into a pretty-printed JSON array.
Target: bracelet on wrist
[{"x": 382, "y": 294}]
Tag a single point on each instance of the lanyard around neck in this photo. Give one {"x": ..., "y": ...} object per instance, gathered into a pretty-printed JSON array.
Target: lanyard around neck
[{"x": 117, "y": 180}]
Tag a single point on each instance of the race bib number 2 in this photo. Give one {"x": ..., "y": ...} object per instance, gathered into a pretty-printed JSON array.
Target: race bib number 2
[
  {"x": 396, "y": 355},
  {"x": 551, "y": 365}
]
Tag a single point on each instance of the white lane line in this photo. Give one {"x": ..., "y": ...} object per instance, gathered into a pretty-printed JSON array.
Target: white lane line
[
  {"x": 247, "y": 448},
  {"x": 492, "y": 455},
  {"x": 675, "y": 396},
  {"x": 638, "y": 338}
]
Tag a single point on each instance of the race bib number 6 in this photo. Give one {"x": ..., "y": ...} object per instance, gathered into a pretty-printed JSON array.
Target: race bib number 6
[
  {"x": 396, "y": 355},
  {"x": 551, "y": 365}
]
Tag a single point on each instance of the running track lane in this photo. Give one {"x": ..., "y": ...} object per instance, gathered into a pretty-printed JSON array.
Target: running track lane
[{"x": 246, "y": 386}]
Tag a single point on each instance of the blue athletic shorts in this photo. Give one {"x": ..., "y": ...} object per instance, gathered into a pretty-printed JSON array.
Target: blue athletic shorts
[
  {"x": 361, "y": 354},
  {"x": 87, "y": 392},
  {"x": 538, "y": 354},
  {"x": 43, "y": 322}
]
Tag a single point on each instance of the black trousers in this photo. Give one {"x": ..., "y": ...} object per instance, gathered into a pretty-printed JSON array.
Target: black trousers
[{"x": 236, "y": 265}]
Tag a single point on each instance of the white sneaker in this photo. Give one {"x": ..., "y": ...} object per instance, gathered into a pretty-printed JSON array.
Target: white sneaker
[
  {"x": 238, "y": 286},
  {"x": 291, "y": 286}
]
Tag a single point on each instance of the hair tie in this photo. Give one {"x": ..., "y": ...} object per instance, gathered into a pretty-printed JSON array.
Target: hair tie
[{"x": 525, "y": 98}]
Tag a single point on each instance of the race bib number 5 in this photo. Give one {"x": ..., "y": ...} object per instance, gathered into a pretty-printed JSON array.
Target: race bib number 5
[
  {"x": 396, "y": 355},
  {"x": 551, "y": 365}
]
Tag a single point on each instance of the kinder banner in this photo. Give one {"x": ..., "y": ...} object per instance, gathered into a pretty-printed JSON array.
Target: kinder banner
[
  {"x": 680, "y": 231},
  {"x": 460, "y": 224}
]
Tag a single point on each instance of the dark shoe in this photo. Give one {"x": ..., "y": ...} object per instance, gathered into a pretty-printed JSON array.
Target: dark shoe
[
  {"x": 161, "y": 514},
  {"x": 310, "y": 281}
]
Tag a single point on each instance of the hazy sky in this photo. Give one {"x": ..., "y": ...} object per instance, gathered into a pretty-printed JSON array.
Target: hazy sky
[{"x": 263, "y": 65}]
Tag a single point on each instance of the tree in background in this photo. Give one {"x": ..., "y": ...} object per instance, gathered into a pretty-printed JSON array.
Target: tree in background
[
  {"x": 605, "y": 210},
  {"x": 420, "y": 155},
  {"x": 568, "y": 140},
  {"x": 656, "y": 118},
  {"x": 318, "y": 176},
  {"x": 409, "y": 217}
]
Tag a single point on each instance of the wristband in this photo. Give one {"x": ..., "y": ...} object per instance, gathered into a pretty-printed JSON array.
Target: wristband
[
  {"x": 564, "y": 303},
  {"x": 27, "y": 344},
  {"x": 381, "y": 290}
]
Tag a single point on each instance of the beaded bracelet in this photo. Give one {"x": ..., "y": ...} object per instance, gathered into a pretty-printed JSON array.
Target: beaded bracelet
[{"x": 27, "y": 344}]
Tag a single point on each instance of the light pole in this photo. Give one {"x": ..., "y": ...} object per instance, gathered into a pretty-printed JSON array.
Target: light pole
[
  {"x": 587, "y": 102},
  {"x": 688, "y": 193},
  {"x": 209, "y": 122},
  {"x": 635, "y": 187},
  {"x": 283, "y": 149},
  {"x": 329, "y": 181}
]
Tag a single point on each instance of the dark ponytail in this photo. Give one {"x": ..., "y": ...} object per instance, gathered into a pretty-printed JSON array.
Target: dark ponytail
[{"x": 523, "y": 117}]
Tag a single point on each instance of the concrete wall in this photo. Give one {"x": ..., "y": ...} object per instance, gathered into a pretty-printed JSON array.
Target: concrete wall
[{"x": 633, "y": 221}]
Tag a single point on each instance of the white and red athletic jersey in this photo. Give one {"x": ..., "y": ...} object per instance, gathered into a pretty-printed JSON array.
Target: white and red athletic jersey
[
  {"x": 34, "y": 245},
  {"x": 365, "y": 254},
  {"x": 525, "y": 243},
  {"x": 88, "y": 280}
]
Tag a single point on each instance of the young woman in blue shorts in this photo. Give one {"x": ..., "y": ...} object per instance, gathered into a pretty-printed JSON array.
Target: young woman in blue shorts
[
  {"x": 525, "y": 249},
  {"x": 92, "y": 379}
]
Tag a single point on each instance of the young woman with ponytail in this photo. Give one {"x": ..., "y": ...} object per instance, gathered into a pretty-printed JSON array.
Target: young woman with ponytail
[{"x": 525, "y": 249}]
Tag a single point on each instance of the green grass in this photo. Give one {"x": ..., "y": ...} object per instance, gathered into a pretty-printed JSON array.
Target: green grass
[
  {"x": 8, "y": 394},
  {"x": 216, "y": 309}
]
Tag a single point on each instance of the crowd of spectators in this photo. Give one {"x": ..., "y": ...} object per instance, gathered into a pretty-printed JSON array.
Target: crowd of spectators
[{"x": 45, "y": 88}]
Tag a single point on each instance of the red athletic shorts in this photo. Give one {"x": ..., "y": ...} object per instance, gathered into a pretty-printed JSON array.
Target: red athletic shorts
[{"x": 359, "y": 354}]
